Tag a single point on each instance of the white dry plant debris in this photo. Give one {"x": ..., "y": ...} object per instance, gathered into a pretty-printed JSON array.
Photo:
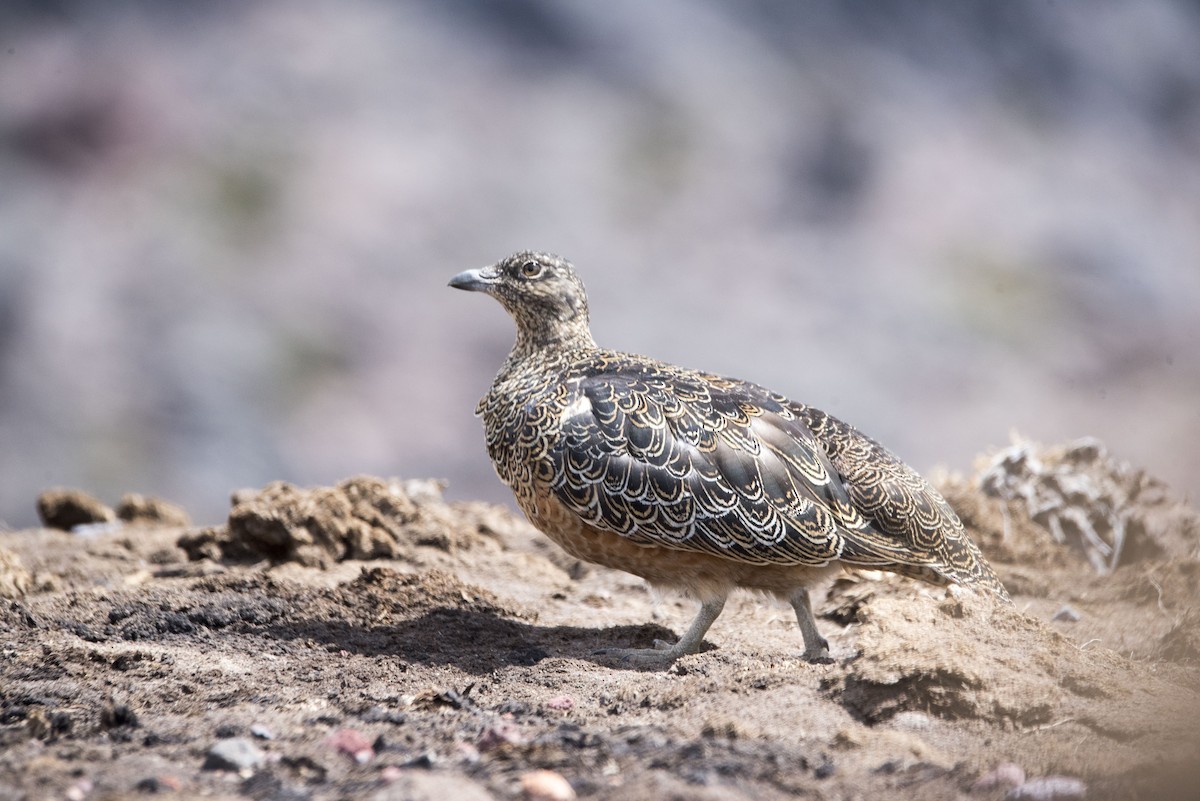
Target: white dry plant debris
[{"x": 1076, "y": 491}]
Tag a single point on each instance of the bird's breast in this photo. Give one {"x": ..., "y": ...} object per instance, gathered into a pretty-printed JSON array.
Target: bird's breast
[{"x": 522, "y": 420}]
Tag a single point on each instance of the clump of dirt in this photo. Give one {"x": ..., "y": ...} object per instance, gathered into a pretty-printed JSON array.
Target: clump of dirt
[
  {"x": 962, "y": 657},
  {"x": 67, "y": 509},
  {"x": 360, "y": 518},
  {"x": 1102, "y": 507},
  {"x": 150, "y": 511},
  {"x": 14, "y": 578},
  {"x": 380, "y": 595},
  {"x": 1042, "y": 513}
]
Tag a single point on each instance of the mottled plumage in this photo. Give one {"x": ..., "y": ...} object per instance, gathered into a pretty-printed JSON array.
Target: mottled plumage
[{"x": 692, "y": 480}]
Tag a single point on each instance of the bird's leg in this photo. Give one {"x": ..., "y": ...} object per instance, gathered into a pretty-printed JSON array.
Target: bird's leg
[
  {"x": 689, "y": 643},
  {"x": 816, "y": 648}
]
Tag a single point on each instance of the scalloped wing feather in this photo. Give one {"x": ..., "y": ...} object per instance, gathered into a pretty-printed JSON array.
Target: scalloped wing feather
[
  {"x": 687, "y": 461},
  {"x": 699, "y": 462}
]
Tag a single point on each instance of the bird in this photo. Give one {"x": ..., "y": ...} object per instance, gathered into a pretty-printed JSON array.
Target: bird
[{"x": 694, "y": 481}]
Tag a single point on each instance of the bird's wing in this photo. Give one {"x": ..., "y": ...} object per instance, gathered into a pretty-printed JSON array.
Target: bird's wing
[
  {"x": 702, "y": 463},
  {"x": 900, "y": 506},
  {"x": 699, "y": 462}
]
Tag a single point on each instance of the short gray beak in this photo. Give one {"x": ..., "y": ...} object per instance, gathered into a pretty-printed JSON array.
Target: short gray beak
[{"x": 471, "y": 280}]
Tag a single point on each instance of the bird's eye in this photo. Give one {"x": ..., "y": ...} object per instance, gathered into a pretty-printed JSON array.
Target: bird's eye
[{"x": 531, "y": 269}]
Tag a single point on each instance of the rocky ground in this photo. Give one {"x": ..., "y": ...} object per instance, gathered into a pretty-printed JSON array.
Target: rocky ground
[{"x": 370, "y": 640}]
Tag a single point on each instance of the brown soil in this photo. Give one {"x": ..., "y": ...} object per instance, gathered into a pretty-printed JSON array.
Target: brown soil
[{"x": 369, "y": 640}]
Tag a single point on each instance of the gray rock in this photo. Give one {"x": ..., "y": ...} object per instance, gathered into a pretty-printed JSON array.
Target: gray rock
[
  {"x": 1048, "y": 788},
  {"x": 236, "y": 753},
  {"x": 1068, "y": 613},
  {"x": 262, "y": 732}
]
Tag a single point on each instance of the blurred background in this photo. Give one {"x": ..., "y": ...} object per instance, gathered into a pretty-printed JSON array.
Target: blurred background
[{"x": 226, "y": 227}]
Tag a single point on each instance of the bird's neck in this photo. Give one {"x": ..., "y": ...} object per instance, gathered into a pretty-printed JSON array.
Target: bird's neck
[{"x": 543, "y": 343}]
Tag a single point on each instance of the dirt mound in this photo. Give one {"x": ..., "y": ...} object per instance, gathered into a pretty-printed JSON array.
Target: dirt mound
[
  {"x": 372, "y": 601},
  {"x": 1043, "y": 514},
  {"x": 940, "y": 657},
  {"x": 360, "y": 518},
  {"x": 1102, "y": 507},
  {"x": 964, "y": 657},
  {"x": 969, "y": 659}
]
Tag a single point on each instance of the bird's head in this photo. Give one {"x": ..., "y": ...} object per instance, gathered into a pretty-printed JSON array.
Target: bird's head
[{"x": 542, "y": 293}]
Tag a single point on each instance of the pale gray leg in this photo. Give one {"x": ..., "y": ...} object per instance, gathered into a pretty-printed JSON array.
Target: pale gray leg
[
  {"x": 816, "y": 648},
  {"x": 663, "y": 653}
]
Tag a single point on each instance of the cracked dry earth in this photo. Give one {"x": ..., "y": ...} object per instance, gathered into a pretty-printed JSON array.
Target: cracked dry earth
[{"x": 371, "y": 641}]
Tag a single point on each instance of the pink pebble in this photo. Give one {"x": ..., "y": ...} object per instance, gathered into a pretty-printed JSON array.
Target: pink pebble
[
  {"x": 79, "y": 790},
  {"x": 353, "y": 744},
  {"x": 502, "y": 732},
  {"x": 467, "y": 751},
  {"x": 1006, "y": 774},
  {"x": 546, "y": 785},
  {"x": 562, "y": 702}
]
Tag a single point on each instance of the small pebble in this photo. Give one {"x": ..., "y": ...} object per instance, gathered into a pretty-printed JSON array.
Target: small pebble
[
  {"x": 1048, "y": 788},
  {"x": 160, "y": 784},
  {"x": 1068, "y": 613},
  {"x": 424, "y": 760},
  {"x": 912, "y": 721},
  {"x": 353, "y": 744},
  {"x": 79, "y": 790},
  {"x": 114, "y": 716},
  {"x": 87, "y": 530},
  {"x": 1006, "y": 774},
  {"x": 381, "y": 714},
  {"x": 546, "y": 785},
  {"x": 561, "y": 702},
  {"x": 467, "y": 752},
  {"x": 502, "y": 732},
  {"x": 262, "y": 732},
  {"x": 236, "y": 753}
]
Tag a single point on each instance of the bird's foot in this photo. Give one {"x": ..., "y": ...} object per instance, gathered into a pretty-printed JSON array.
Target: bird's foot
[
  {"x": 660, "y": 656},
  {"x": 663, "y": 653},
  {"x": 818, "y": 656},
  {"x": 816, "y": 650}
]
